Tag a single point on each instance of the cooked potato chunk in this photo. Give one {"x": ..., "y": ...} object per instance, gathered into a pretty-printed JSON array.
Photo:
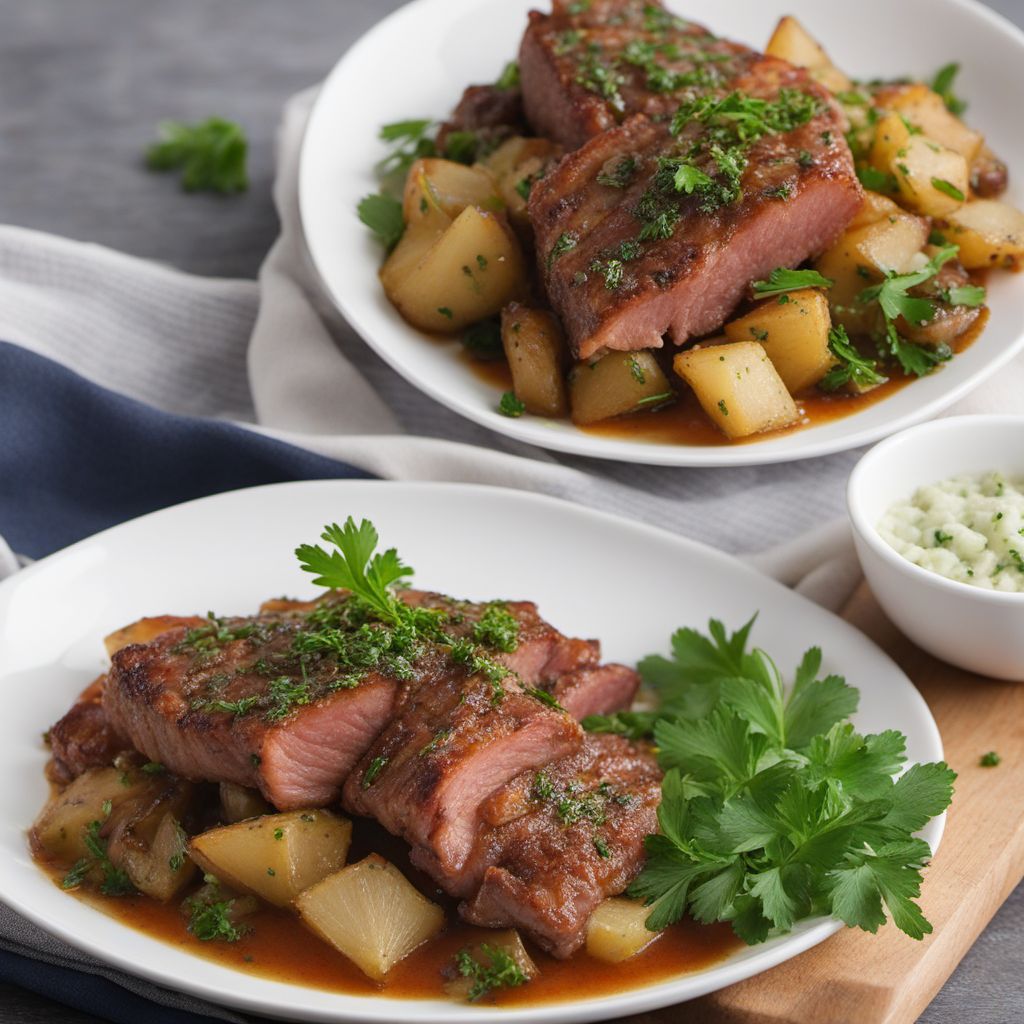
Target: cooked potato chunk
[
  {"x": 931, "y": 179},
  {"x": 239, "y": 802},
  {"x": 420, "y": 237},
  {"x": 514, "y": 152},
  {"x": 738, "y": 387},
  {"x": 516, "y": 163},
  {"x": 617, "y": 930},
  {"x": 862, "y": 257},
  {"x": 497, "y": 951},
  {"x": 449, "y": 186},
  {"x": 473, "y": 269},
  {"x": 927, "y": 110},
  {"x": 989, "y": 233},
  {"x": 535, "y": 350},
  {"x": 618, "y": 383},
  {"x": 874, "y": 208},
  {"x": 371, "y": 913},
  {"x": 275, "y": 856},
  {"x": 792, "y": 42},
  {"x": 159, "y": 868},
  {"x": 794, "y": 334}
]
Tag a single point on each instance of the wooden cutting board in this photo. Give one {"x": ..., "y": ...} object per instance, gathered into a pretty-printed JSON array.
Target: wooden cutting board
[{"x": 889, "y": 978}]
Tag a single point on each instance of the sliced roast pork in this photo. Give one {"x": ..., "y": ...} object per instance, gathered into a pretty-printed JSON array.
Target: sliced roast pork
[
  {"x": 556, "y": 842},
  {"x": 702, "y": 167}
]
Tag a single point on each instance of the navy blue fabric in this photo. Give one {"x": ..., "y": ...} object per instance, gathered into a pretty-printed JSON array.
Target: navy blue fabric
[
  {"x": 89, "y": 993},
  {"x": 76, "y": 458}
]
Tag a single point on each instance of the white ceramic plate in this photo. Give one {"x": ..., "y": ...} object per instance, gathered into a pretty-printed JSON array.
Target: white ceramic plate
[
  {"x": 230, "y": 551},
  {"x": 416, "y": 63}
]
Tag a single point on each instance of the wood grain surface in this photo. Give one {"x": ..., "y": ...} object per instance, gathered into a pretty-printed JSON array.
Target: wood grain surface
[{"x": 888, "y": 978}]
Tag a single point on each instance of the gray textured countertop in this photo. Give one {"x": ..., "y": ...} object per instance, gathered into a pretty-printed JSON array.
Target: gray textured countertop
[{"x": 82, "y": 85}]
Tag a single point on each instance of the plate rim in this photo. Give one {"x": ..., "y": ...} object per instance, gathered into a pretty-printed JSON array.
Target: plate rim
[
  {"x": 376, "y": 1008},
  {"x": 574, "y": 441}
]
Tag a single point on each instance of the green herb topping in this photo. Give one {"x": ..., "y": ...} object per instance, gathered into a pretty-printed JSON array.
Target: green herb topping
[
  {"x": 511, "y": 406},
  {"x": 853, "y": 368},
  {"x": 497, "y": 969},
  {"x": 211, "y": 155},
  {"x": 783, "y": 280},
  {"x": 990, "y": 760}
]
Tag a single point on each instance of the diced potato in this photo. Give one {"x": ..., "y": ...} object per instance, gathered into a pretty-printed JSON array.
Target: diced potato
[
  {"x": 617, "y": 930},
  {"x": 516, "y": 151},
  {"x": 927, "y": 110},
  {"x": 932, "y": 179},
  {"x": 144, "y": 630},
  {"x": 449, "y": 186},
  {"x": 508, "y": 943},
  {"x": 59, "y": 831},
  {"x": 535, "y": 350},
  {"x": 792, "y": 42},
  {"x": 989, "y": 233},
  {"x": 738, "y": 387},
  {"x": 419, "y": 238},
  {"x": 794, "y": 334},
  {"x": 618, "y": 383},
  {"x": 239, "y": 802},
  {"x": 371, "y": 913},
  {"x": 862, "y": 257},
  {"x": 469, "y": 273},
  {"x": 874, "y": 208},
  {"x": 161, "y": 868},
  {"x": 276, "y": 856}
]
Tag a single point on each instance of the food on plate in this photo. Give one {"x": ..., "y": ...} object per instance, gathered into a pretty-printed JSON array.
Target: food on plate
[
  {"x": 967, "y": 528},
  {"x": 641, "y": 178},
  {"x": 404, "y": 772}
]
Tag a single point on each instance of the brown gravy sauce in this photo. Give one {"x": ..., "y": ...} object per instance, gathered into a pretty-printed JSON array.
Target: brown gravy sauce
[
  {"x": 685, "y": 422},
  {"x": 280, "y": 948}
]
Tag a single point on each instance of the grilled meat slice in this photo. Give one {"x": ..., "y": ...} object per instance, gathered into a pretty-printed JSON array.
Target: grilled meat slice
[
  {"x": 84, "y": 737},
  {"x": 583, "y": 71},
  {"x": 452, "y": 744},
  {"x": 555, "y": 843},
  {"x": 658, "y": 224},
  {"x": 288, "y": 701},
  {"x": 596, "y": 690}
]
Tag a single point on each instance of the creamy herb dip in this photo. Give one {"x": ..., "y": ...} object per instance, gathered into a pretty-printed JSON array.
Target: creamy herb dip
[{"x": 968, "y": 528}]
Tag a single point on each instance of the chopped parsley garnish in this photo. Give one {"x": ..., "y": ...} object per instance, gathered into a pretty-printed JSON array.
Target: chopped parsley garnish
[
  {"x": 210, "y": 920},
  {"x": 497, "y": 628},
  {"x": 383, "y": 216},
  {"x": 854, "y": 368},
  {"x": 895, "y": 302},
  {"x": 461, "y": 146},
  {"x": 497, "y": 969},
  {"x": 211, "y": 154},
  {"x": 377, "y": 765},
  {"x": 115, "y": 881},
  {"x": 773, "y": 808},
  {"x": 722, "y": 407},
  {"x": 543, "y": 787},
  {"x": 566, "y": 242},
  {"x": 972, "y": 295},
  {"x": 636, "y": 371},
  {"x": 511, "y": 406},
  {"x": 483, "y": 341},
  {"x": 446, "y": 312},
  {"x": 620, "y": 175},
  {"x": 943, "y": 85},
  {"x": 990, "y": 760},
  {"x": 604, "y": 79},
  {"x": 544, "y": 697},
  {"x": 949, "y": 189},
  {"x": 875, "y": 180},
  {"x": 410, "y": 140},
  {"x": 782, "y": 280},
  {"x": 509, "y": 77},
  {"x": 782, "y": 192},
  {"x": 153, "y": 768},
  {"x": 602, "y": 848}
]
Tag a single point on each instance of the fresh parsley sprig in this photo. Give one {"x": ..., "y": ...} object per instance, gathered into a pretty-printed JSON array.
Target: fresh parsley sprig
[
  {"x": 782, "y": 280},
  {"x": 773, "y": 807},
  {"x": 355, "y": 567},
  {"x": 211, "y": 154},
  {"x": 853, "y": 367},
  {"x": 495, "y": 968}
]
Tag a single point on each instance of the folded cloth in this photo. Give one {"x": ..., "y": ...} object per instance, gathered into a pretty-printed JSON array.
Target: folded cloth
[{"x": 126, "y": 386}]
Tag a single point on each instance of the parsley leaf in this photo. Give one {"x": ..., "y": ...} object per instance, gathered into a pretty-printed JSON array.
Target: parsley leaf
[
  {"x": 211, "y": 154},
  {"x": 352, "y": 568},
  {"x": 509, "y": 77},
  {"x": 972, "y": 295},
  {"x": 853, "y": 367},
  {"x": 943, "y": 85},
  {"x": 495, "y": 969},
  {"x": 511, "y": 406},
  {"x": 782, "y": 280},
  {"x": 383, "y": 216},
  {"x": 949, "y": 189},
  {"x": 773, "y": 807},
  {"x": 410, "y": 140}
]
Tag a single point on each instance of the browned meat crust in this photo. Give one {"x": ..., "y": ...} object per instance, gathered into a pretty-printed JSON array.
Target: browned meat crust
[{"x": 84, "y": 737}]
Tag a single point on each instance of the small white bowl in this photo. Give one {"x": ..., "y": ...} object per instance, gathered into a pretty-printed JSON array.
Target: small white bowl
[{"x": 976, "y": 629}]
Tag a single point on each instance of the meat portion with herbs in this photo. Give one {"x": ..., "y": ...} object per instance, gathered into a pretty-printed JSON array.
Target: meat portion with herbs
[{"x": 697, "y": 173}]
